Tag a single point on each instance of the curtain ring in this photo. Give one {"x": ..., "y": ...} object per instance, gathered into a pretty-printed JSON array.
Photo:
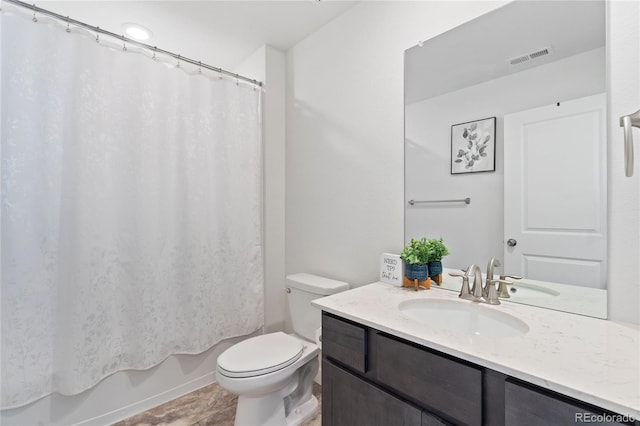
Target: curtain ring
[
  {"x": 199, "y": 67},
  {"x": 97, "y": 34},
  {"x": 124, "y": 45},
  {"x": 34, "y": 19},
  {"x": 237, "y": 81},
  {"x": 155, "y": 48},
  {"x": 68, "y": 29},
  {"x": 178, "y": 64}
]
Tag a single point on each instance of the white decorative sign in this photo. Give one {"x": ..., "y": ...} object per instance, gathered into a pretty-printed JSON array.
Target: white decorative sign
[{"x": 391, "y": 269}]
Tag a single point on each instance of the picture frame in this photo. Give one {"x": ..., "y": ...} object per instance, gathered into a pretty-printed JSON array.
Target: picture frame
[{"x": 473, "y": 146}]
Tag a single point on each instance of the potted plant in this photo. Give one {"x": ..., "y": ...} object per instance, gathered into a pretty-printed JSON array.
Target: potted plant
[
  {"x": 436, "y": 251},
  {"x": 416, "y": 257}
]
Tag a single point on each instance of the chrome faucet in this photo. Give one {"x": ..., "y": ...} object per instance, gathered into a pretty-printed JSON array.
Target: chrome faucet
[
  {"x": 475, "y": 293},
  {"x": 493, "y": 263},
  {"x": 480, "y": 293},
  {"x": 477, "y": 289},
  {"x": 490, "y": 294}
]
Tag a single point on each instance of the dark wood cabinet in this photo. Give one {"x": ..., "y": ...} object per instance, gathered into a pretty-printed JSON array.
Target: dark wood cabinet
[
  {"x": 434, "y": 381},
  {"x": 428, "y": 419},
  {"x": 349, "y": 401},
  {"x": 373, "y": 378},
  {"x": 345, "y": 342},
  {"x": 525, "y": 404}
]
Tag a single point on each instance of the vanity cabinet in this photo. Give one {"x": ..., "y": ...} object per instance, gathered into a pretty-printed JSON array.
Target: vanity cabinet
[
  {"x": 542, "y": 408},
  {"x": 354, "y": 401},
  {"x": 434, "y": 381},
  {"x": 372, "y": 378}
]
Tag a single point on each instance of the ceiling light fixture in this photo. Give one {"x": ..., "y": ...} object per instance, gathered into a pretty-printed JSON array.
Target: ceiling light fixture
[{"x": 137, "y": 31}]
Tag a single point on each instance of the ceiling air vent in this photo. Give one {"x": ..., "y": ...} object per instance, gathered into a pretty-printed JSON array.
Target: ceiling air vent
[
  {"x": 539, "y": 53},
  {"x": 519, "y": 60},
  {"x": 534, "y": 55}
]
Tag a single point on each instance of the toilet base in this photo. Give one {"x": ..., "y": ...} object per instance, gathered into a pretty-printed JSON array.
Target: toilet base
[
  {"x": 290, "y": 405},
  {"x": 269, "y": 411},
  {"x": 303, "y": 412}
]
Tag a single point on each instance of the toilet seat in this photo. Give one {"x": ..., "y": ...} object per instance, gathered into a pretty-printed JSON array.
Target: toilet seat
[{"x": 260, "y": 355}]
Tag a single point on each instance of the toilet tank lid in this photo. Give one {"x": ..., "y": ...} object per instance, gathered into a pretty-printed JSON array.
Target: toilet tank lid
[{"x": 315, "y": 284}]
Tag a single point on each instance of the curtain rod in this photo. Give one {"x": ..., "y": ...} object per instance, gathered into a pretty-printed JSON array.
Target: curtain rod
[{"x": 99, "y": 30}]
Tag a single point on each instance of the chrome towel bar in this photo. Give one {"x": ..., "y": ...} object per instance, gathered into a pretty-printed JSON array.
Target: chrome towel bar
[{"x": 464, "y": 200}]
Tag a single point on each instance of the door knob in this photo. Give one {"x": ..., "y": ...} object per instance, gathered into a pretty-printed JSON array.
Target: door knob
[{"x": 511, "y": 242}]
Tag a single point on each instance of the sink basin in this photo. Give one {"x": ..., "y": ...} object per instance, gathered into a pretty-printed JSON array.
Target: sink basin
[{"x": 463, "y": 317}]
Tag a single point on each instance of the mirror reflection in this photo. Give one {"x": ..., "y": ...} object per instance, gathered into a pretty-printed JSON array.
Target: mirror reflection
[{"x": 509, "y": 112}]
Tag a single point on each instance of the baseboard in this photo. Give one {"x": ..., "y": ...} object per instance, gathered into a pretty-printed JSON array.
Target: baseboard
[{"x": 148, "y": 403}]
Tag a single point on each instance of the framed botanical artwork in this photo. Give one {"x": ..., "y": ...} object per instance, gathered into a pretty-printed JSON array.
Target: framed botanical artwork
[{"x": 473, "y": 146}]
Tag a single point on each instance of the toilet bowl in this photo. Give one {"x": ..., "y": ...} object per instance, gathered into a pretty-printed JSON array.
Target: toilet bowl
[
  {"x": 275, "y": 373},
  {"x": 272, "y": 374}
]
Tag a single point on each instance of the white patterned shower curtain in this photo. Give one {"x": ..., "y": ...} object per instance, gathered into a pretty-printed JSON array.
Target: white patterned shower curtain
[{"x": 131, "y": 210}]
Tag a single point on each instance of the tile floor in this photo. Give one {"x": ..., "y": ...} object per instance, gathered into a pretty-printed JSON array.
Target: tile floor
[{"x": 210, "y": 405}]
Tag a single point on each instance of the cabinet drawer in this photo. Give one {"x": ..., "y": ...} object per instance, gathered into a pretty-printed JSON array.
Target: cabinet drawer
[
  {"x": 344, "y": 342},
  {"x": 451, "y": 388},
  {"x": 535, "y": 407}
]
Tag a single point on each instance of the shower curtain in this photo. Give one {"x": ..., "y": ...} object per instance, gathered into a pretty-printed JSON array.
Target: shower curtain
[{"x": 131, "y": 209}]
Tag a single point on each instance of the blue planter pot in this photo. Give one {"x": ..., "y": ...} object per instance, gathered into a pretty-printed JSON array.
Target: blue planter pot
[
  {"x": 417, "y": 272},
  {"x": 435, "y": 268}
]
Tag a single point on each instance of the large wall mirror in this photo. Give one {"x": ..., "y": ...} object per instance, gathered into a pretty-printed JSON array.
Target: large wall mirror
[{"x": 506, "y": 151}]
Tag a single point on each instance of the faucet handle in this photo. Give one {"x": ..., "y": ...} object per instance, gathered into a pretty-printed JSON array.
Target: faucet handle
[
  {"x": 513, "y": 277},
  {"x": 503, "y": 293},
  {"x": 492, "y": 297},
  {"x": 500, "y": 281},
  {"x": 465, "y": 292}
]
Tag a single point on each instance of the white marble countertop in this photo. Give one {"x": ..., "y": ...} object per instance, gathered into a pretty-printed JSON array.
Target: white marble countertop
[{"x": 593, "y": 360}]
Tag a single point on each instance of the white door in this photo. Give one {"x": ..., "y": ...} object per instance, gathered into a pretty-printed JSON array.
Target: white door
[{"x": 555, "y": 192}]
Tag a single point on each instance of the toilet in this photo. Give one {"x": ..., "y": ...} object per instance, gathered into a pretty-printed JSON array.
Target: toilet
[{"x": 272, "y": 374}]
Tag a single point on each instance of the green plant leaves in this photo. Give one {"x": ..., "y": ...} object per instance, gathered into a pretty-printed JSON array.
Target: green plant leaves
[{"x": 423, "y": 251}]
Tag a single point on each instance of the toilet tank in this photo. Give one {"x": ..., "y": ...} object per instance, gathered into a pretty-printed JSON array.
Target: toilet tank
[{"x": 301, "y": 290}]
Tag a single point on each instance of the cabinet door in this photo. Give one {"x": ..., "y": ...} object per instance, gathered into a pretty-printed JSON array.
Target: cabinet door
[
  {"x": 445, "y": 386},
  {"x": 428, "y": 419},
  {"x": 534, "y": 407},
  {"x": 350, "y": 401}
]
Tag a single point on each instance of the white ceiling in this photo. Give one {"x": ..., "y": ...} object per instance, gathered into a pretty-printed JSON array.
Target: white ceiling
[
  {"x": 219, "y": 33},
  {"x": 480, "y": 50}
]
